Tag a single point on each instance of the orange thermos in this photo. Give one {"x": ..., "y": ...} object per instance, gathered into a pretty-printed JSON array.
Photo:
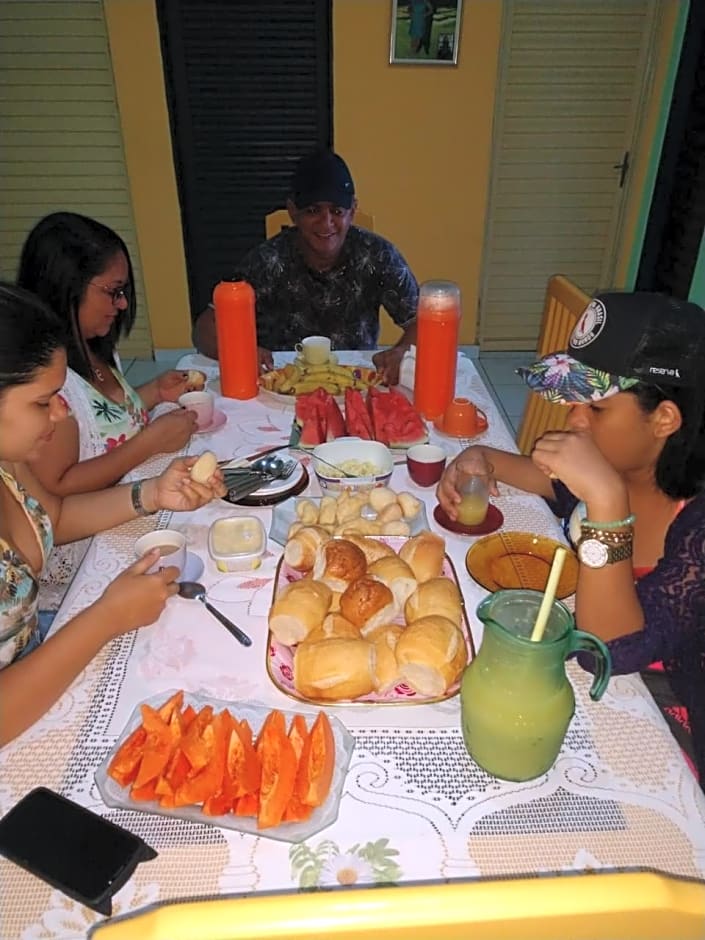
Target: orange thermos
[
  {"x": 437, "y": 325},
  {"x": 236, "y": 329}
]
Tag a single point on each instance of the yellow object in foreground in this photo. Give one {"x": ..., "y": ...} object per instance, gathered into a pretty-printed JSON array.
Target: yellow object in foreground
[{"x": 596, "y": 906}]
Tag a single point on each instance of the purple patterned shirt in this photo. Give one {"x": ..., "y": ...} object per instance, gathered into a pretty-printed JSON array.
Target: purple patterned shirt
[{"x": 672, "y": 598}]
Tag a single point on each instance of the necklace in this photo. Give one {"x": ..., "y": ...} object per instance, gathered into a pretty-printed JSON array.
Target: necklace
[{"x": 97, "y": 372}]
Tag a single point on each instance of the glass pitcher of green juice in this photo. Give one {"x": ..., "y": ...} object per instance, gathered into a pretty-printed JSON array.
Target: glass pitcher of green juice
[{"x": 516, "y": 700}]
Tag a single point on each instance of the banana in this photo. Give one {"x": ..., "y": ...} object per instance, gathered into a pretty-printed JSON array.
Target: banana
[{"x": 310, "y": 385}]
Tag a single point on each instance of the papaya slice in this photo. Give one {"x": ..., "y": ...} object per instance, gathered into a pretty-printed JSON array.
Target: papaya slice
[
  {"x": 171, "y": 705},
  {"x": 126, "y": 760},
  {"x": 145, "y": 792},
  {"x": 157, "y": 748},
  {"x": 298, "y": 732},
  {"x": 197, "y": 742},
  {"x": 315, "y": 771},
  {"x": 247, "y": 805},
  {"x": 187, "y": 716},
  {"x": 278, "y": 778},
  {"x": 249, "y": 768},
  {"x": 209, "y": 780}
]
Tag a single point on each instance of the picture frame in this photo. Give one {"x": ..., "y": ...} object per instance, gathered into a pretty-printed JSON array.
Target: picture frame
[{"x": 425, "y": 32}]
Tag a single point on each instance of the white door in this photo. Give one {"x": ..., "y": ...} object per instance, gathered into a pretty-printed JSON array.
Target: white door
[{"x": 571, "y": 83}]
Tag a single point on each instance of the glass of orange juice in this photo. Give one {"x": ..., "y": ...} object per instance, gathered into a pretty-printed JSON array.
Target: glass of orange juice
[{"x": 474, "y": 491}]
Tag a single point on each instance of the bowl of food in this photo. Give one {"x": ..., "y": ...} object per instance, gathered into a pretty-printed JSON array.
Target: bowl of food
[{"x": 352, "y": 463}]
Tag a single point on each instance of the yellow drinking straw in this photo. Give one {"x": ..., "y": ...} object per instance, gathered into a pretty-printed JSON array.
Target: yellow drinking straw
[{"x": 549, "y": 596}]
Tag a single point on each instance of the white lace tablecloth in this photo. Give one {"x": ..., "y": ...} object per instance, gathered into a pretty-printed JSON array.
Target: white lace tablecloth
[{"x": 415, "y": 806}]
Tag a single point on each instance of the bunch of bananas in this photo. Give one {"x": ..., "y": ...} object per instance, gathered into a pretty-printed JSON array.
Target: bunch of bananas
[{"x": 300, "y": 379}]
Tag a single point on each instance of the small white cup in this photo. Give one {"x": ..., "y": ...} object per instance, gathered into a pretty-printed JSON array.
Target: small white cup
[
  {"x": 172, "y": 545},
  {"x": 203, "y": 403},
  {"x": 315, "y": 350}
]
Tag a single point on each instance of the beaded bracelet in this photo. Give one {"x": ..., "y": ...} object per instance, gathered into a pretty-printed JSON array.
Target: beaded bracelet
[
  {"x": 608, "y": 536},
  {"x": 619, "y": 524}
]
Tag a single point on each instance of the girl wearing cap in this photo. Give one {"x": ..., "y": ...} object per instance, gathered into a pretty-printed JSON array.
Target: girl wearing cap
[
  {"x": 34, "y": 673},
  {"x": 629, "y": 476}
]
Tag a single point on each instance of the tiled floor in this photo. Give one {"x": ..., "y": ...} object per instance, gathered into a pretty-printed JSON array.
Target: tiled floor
[{"x": 496, "y": 368}]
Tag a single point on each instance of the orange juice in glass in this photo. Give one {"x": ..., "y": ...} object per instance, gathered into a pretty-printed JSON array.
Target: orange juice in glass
[
  {"x": 474, "y": 499},
  {"x": 437, "y": 325}
]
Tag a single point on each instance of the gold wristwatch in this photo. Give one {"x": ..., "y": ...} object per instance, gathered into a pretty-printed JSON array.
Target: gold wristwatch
[{"x": 600, "y": 547}]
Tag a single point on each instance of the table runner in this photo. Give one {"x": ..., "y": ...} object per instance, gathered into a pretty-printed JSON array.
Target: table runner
[{"x": 415, "y": 806}]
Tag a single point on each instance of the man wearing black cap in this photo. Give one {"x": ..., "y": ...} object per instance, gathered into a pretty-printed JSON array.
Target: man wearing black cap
[{"x": 324, "y": 275}]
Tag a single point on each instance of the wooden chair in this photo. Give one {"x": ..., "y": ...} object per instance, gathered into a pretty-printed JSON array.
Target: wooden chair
[
  {"x": 564, "y": 303},
  {"x": 279, "y": 219}
]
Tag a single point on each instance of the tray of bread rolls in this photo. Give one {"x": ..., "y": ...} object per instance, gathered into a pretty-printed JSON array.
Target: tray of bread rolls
[{"x": 363, "y": 619}]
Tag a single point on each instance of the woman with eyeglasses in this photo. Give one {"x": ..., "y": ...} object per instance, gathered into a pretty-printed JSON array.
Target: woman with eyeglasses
[{"x": 81, "y": 269}]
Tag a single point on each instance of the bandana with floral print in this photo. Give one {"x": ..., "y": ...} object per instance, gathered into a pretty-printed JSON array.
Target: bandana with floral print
[{"x": 563, "y": 380}]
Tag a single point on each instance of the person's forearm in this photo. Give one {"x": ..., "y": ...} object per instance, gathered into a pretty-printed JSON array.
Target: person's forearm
[
  {"x": 84, "y": 514},
  {"x": 408, "y": 337},
  {"x": 518, "y": 470},
  {"x": 204, "y": 334},
  {"x": 31, "y": 685},
  {"x": 97, "y": 473},
  {"x": 149, "y": 393},
  {"x": 606, "y": 602}
]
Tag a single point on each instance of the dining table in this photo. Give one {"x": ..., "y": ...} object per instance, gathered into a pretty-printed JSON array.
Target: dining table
[{"x": 414, "y": 807}]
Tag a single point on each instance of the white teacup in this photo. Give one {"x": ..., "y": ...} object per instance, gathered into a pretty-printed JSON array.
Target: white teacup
[
  {"x": 315, "y": 350},
  {"x": 203, "y": 403},
  {"x": 171, "y": 545}
]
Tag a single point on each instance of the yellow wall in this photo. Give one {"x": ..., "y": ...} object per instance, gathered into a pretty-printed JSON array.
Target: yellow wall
[
  {"x": 418, "y": 140},
  {"x": 139, "y": 83}
]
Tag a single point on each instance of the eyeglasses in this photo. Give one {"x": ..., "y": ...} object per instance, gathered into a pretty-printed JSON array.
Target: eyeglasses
[{"x": 115, "y": 293}]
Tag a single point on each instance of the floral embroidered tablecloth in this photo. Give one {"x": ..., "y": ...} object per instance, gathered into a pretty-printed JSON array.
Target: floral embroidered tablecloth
[{"x": 414, "y": 807}]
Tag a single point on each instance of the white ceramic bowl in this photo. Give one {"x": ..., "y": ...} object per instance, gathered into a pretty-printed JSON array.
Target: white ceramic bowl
[
  {"x": 352, "y": 448},
  {"x": 237, "y": 543}
]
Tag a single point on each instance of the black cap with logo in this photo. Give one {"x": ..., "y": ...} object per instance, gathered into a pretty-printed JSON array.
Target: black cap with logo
[{"x": 322, "y": 176}]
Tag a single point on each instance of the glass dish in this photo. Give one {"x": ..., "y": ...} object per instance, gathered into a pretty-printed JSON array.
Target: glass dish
[
  {"x": 509, "y": 560},
  {"x": 119, "y": 797},
  {"x": 284, "y": 514},
  {"x": 280, "y": 658}
]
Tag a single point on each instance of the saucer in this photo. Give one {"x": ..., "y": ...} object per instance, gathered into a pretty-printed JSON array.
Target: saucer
[
  {"x": 300, "y": 361},
  {"x": 193, "y": 569},
  {"x": 492, "y": 521},
  {"x": 219, "y": 419},
  {"x": 464, "y": 435},
  {"x": 512, "y": 560}
]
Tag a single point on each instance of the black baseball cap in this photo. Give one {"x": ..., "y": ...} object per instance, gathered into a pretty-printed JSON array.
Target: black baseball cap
[
  {"x": 322, "y": 176},
  {"x": 621, "y": 339}
]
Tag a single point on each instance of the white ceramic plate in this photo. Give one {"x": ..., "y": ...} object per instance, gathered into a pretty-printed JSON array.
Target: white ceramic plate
[
  {"x": 283, "y": 514},
  {"x": 279, "y": 486},
  {"x": 119, "y": 797}
]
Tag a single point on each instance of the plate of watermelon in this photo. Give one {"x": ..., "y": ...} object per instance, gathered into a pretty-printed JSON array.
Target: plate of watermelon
[{"x": 383, "y": 415}]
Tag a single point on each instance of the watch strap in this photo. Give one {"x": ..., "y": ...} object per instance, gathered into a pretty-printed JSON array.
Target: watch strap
[{"x": 137, "y": 504}]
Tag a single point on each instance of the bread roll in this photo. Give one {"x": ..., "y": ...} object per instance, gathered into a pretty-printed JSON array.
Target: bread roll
[
  {"x": 396, "y": 527},
  {"x": 431, "y": 654},
  {"x": 368, "y": 603},
  {"x": 300, "y": 550},
  {"x": 204, "y": 468},
  {"x": 307, "y": 511},
  {"x": 437, "y": 596},
  {"x": 326, "y": 511},
  {"x": 397, "y": 575},
  {"x": 334, "y": 669},
  {"x": 297, "y": 609},
  {"x": 334, "y": 625},
  {"x": 384, "y": 639},
  {"x": 372, "y": 548},
  {"x": 338, "y": 563},
  {"x": 409, "y": 505},
  {"x": 390, "y": 513},
  {"x": 380, "y": 497},
  {"x": 196, "y": 380},
  {"x": 424, "y": 554}
]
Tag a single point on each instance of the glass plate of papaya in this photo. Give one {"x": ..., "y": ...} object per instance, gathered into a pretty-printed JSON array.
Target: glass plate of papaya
[{"x": 267, "y": 772}]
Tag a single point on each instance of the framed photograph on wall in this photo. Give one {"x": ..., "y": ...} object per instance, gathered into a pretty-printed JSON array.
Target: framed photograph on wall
[{"x": 425, "y": 32}]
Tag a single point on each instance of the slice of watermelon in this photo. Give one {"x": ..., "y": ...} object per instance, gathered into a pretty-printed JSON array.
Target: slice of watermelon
[
  {"x": 335, "y": 426},
  {"x": 378, "y": 414},
  {"x": 396, "y": 421},
  {"x": 357, "y": 420},
  {"x": 312, "y": 432}
]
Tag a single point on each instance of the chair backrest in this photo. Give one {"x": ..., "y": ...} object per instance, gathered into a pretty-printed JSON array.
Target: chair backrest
[
  {"x": 564, "y": 303},
  {"x": 619, "y": 905},
  {"x": 279, "y": 219}
]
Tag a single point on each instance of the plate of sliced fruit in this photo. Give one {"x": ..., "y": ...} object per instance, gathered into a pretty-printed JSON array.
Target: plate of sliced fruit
[{"x": 236, "y": 765}]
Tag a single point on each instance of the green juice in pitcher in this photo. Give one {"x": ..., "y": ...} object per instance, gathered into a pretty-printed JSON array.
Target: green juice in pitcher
[{"x": 516, "y": 700}]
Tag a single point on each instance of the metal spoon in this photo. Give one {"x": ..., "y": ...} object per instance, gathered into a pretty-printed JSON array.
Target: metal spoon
[
  {"x": 340, "y": 470},
  {"x": 193, "y": 591}
]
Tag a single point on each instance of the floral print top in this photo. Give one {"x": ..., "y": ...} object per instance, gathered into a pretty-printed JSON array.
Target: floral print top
[
  {"x": 18, "y": 584},
  {"x": 117, "y": 422}
]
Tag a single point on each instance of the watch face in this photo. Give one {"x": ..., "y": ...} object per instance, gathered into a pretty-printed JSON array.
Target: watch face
[{"x": 593, "y": 553}]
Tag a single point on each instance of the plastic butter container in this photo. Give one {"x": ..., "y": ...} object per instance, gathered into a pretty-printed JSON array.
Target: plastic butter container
[{"x": 237, "y": 544}]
